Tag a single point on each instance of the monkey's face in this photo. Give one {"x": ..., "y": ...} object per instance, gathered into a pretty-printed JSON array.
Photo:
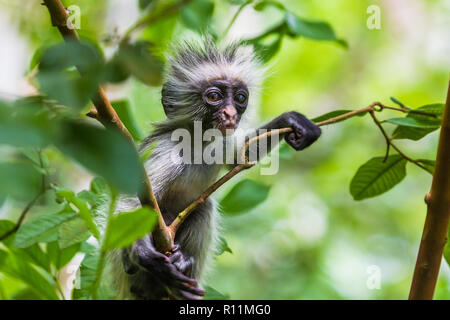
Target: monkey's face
[{"x": 225, "y": 101}]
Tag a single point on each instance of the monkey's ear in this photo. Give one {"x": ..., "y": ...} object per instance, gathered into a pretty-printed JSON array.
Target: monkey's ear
[{"x": 165, "y": 100}]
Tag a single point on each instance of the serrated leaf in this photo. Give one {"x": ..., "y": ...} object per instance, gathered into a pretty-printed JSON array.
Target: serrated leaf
[
  {"x": 376, "y": 177},
  {"x": 244, "y": 196},
  {"x": 41, "y": 229},
  {"x": 110, "y": 154},
  {"x": 126, "y": 227},
  {"x": 222, "y": 246}
]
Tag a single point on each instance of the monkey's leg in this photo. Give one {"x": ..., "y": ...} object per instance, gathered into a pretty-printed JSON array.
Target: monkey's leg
[{"x": 195, "y": 237}]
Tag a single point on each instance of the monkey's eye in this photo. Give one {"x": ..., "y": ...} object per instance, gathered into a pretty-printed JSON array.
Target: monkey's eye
[
  {"x": 213, "y": 96},
  {"x": 240, "y": 98}
]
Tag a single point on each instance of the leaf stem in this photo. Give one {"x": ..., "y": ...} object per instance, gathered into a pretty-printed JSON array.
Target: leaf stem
[
  {"x": 390, "y": 143},
  {"x": 233, "y": 19},
  {"x": 103, "y": 251}
]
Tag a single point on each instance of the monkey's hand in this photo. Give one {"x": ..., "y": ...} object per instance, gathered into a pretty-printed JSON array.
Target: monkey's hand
[
  {"x": 167, "y": 272},
  {"x": 304, "y": 131}
]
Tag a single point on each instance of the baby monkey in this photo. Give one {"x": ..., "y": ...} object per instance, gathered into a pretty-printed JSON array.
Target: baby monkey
[{"x": 215, "y": 86}]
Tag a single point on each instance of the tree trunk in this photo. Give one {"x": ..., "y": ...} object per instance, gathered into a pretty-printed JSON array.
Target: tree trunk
[{"x": 434, "y": 234}]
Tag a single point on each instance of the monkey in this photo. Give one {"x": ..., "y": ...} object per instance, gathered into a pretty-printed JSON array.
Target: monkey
[{"x": 213, "y": 85}]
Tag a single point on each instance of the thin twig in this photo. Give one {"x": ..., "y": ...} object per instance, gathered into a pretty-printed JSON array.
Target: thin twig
[
  {"x": 154, "y": 17},
  {"x": 233, "y": 19},
  {"x": 22, "y": 216},
  {"x": 244, "y": 164},
  {"x": 390, "y": 143}
]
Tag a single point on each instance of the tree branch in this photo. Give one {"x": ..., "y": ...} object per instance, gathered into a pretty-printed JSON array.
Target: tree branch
[
  {"x": 22, "y": 216},
  {"x": 107, "y": 115},
  {"x": 434, "y": 234}
]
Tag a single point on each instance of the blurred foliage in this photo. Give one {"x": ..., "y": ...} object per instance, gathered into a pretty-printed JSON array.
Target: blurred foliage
[{"x": 294, "y": 235}]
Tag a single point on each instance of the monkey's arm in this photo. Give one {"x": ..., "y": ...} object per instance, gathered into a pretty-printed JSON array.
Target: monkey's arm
[
  {"x": 304, "y": 131},
  {"x": 303, "y": 135},
  {"x": 167, "y": 274}
]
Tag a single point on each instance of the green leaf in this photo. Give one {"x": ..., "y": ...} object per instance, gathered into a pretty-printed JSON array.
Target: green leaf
[
  {"x": 58, "y": 78},
  {"x": 60, "y": 257},
  {"x": 333, "y": 114},
  {"x": 26, "y": 123},
  {"x": 43, "y": 228},
  {"x": 126, "y": 227},
  {"x": 417, "y": 133},
  {"x": 83, "y": 210},
  {"x": 316, "y": 30},
  {"x": 144, "y": 4},
  {"x": 88, "y": 272},
  {"x": 72, "y": 232},
  {"x": 261, "y": 5},
  {"x": 222, "y": 246},
  {"x": 22, "y": 270},
  {"x": 414, "y": 122},
  {"x": 6, "y": 226},
  {"x": 213, "y": 294},
  {"x": 376, "y": 177},
  {"x": 35, "y": 255},
  {"x": 139, "y": 60},
  {"x": 447, "y": 249},
  {"x": 19, "y": 180},
  {"x": 428, "y": 164},
  {"x": 197, "y": 14},
  {"x": 125, "y": 113},
  {"x": 266, "y": 52},
  {"x": 244, "y": 196},
  {"x": 110, "y": 154}
]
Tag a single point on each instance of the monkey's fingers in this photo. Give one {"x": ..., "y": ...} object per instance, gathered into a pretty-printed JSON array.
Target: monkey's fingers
[{"x": 184, "y": 295}]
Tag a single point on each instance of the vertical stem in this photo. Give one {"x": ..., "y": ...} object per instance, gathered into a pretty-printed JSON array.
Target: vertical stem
[
  {"x": 103, "y": 251},
  {"x": 434, "y": 234}
]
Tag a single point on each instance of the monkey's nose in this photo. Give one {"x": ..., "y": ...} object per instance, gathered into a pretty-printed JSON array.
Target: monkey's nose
[{"x": 229, "y": 113}]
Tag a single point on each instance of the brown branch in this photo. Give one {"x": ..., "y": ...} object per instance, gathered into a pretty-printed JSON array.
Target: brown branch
[
  {"x": 107, "y": 115},
  {"x": 434, "y": 234},
  {"x": 390, "y": 143},
  {"x": 245, "y": 164},
  {"x": 22, "y": 216},
  {"x": 154, "y": 17}
]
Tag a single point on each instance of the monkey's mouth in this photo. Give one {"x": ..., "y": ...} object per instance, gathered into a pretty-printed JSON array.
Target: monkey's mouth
[{"x": 227, "y": 128}]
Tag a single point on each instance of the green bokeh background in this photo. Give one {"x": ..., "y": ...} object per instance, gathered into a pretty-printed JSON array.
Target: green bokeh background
[{"x": 310, "y": 239}]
